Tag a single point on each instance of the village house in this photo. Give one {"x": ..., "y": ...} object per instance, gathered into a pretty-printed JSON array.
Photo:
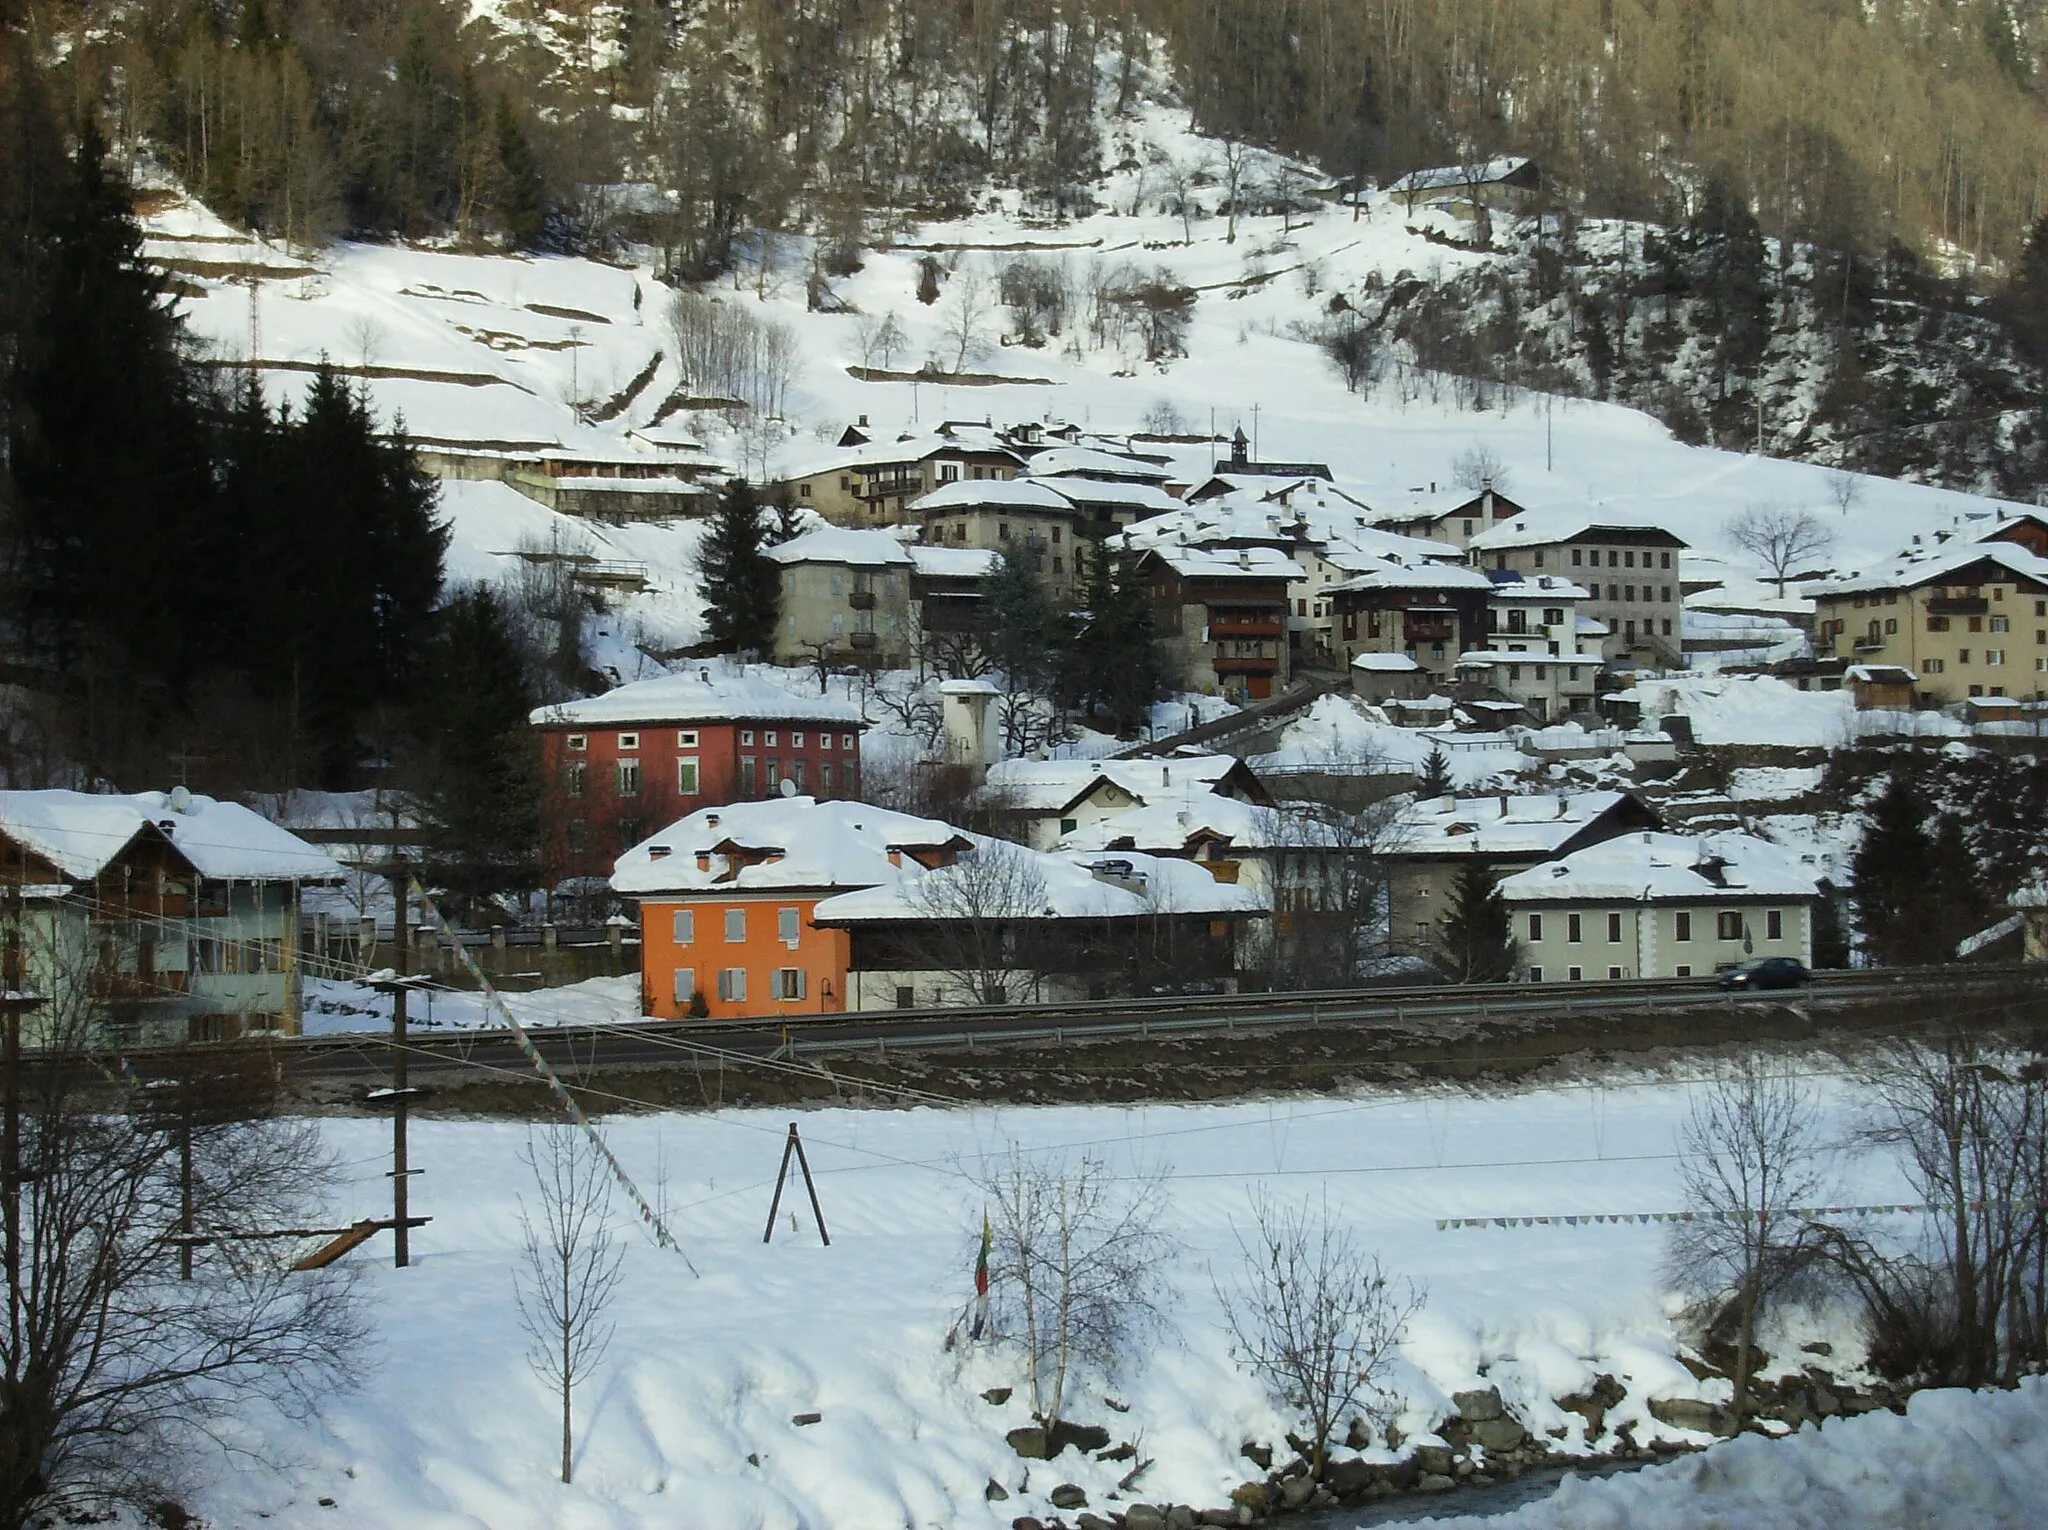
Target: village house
[
  {"x": 1511, "y": 184},
  {"x": 2021, "y": 525},
  {"x": 175, "y": 917},
  {"x": 1433, "y": 840},
  {"x": 846, "y": 599},
  {"x": 1428, "y": 610},
  {"x": 947, "y": 589},
  {"x": 1969, "y": 619},
  {"x": 875, "y": 484},
  {"x": 616, "y": 764},
  {"x": 1630, "y": 568},
  {"x": 1533, "y": 654},
  {"x": 1657, "y": 905},
  {"x": 1222, "y": 618},
  {"x": 652, "y": 479},
  {"x": 1452, "y": 515},
  {"x": 1038, "y": 803},
  {"x": 1023, "y": 516}
]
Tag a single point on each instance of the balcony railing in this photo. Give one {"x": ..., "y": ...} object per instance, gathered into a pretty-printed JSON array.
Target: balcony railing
[
  {"x": 860, "y": 639},
  {"x": 1430, "y": 632},
  {"x": 862, "y": 600},
  {"x": 1869, "y": 645},
  {"x": 1957, "y": 605}
]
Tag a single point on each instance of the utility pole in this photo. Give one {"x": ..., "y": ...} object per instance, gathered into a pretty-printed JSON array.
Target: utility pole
[
  {"x": 14, "y": 1003},
  {"x": 401, "y": 1229}
]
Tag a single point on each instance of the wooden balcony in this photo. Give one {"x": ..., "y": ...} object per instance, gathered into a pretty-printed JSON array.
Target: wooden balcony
[
  {"x": 1957, "y": 605},
  {"x": 862, "y": 600}
]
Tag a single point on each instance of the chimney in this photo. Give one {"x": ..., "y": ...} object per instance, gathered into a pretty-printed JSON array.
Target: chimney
[
  {"x": 711, "y": 820},
  {"x": 863, "y": 422}
]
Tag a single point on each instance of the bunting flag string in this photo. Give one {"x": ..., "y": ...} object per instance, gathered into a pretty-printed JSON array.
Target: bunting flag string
[
  {"x": 1800, "y": 1213},
  {"x": 648, "y": 1216}
]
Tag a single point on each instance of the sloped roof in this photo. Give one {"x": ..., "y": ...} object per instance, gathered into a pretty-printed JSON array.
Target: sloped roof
[
  {"x": 1658, "y": 867},
  {"x": 1501, "y": 826},
  {"x": 1243, "y": 563},
  {"x": 1542, "y": 528},
  {"x": 1936, "y": 565},
  {"x": 1087, "y": 462},
  {"x": 835, "y": 545},
  {"x": 1450, "y": 177},
  {"x": 993, "y": 494},
  {"x": 816, "y": 845},
  {"x": 1046, "y": 786},
  {"x": 953, "y": 562},
  {"x": 80, "y": 833},
  {"x": 1071, "y": 886},
  {"x": 1420, "y": 574},
  {"x": 711, "y": 692}
]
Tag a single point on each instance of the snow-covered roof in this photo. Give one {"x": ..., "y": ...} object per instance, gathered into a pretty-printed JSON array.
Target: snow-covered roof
[
  {"x": 1501, "y": 826},
  {"x": 835, "y": 545},
  {"x": 80, "y": 833},
  {"x": 1241, "y": 563},
  {"x": 1480, "y": 658},
  {"x": 782, "y": 844},
  {"x": 1539, "y": 588},
  {"x": 954, "y": 562},
  {"x": 1543, "y": 528},
  {"x": 1419, "y": 574},
  {"x": 889, "y": 453},
  {"x": 1046, "y": 786},
  {"x": 1661, "y": 867},
  {"x": 1334, "y": 525},
  {"x": 711, "y": 692},
  {"x": 1920, "y": 566},
  {"x": 1880, "y": 674},
  {"x": 1116, "y": 493},
  {"x": 1087, "y": 462},
  {"x": 1451, "y": 177},
  {"x": 1169, "y": 825},
  {"x": 1076, "y": 884},
  {"x": 993, "y": 494},
  {"x": 1386, "y": 664}
]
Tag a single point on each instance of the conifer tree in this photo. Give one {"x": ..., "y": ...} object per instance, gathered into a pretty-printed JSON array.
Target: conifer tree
[
  {"x": 1021, "y": 635},
  {"x": 1892, "y": 878},
  {"x": 522, "y": 200},
  {"x": 742, "y": 585},
  {"x": 1475, "y": 939},
  {"x": 1114, "y": 667},
  {"x": 1434, "y": 780}
]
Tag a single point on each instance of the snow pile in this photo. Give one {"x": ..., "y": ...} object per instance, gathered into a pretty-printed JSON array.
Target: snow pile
[
  {"x": 1754, "y": 709},
  {"x": 1774, "y": 783},
  {"x": 1955, "y": 1461},
  {"x": 1338, "y": 733}
]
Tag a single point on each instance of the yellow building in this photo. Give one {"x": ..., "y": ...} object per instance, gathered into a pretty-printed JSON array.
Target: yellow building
[{"x": 1969, "y": 620}]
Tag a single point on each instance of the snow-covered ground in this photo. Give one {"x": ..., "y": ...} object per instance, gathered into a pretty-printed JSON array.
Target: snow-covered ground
[
  {"x": 689, "y": 1419},
  {"x": 336, "y": 1005}
]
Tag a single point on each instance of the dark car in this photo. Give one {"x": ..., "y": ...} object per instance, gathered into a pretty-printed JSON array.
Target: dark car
[{"x": 1768, "y": 972}]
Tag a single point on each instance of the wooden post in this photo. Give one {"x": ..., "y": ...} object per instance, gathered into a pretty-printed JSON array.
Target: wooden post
[
  {"x": 795, "y": 1144},
  {"x": 15, "y": 1001},
  {"x": 401, "y": 1171}
]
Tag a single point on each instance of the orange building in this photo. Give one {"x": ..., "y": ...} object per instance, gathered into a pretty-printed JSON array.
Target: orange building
[{"x": 726, "y": 897}]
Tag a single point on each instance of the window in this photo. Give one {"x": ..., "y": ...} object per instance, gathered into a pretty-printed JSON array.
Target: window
[
  {"x": 1571, "y": 928},
  {"x": 1728, "y": 924},
  {"x": 1614, "y": 929},
  {"x": 1628, "y": 593},
  {"x": 790, "y": 983},
  {"x": 1539, "y": 557},
  {"x": 1664, "y": 593},
  {"x": 1614, "y": 974},
  {"x": 769, "y": 738},
  {"x": 1774, "y": 924},
  {"x": 788, "y": 925},
  {"x": 803, "y": 490},
  {"x": 732, "y": 984},
  {"x": 1976, "y": 624},
  {"x": 2001, "y": 624},
  {"x": 906, "y": 998},
  {"x": 747, "y": 737},
  {"x": 796, "y": 774},
  {"x": 1681, "y": 925},
  {"x": 1613, "y": 558},
  {"x": 1681, "y": 972},
  {"x": 1578, "y": 558},
  {"x": 579, "y": 741},
  {"x": 686, "y": 984},
  {"x": 1002, "y": 531},
  {"x": 1535, "y": 974},
  {"x": 1628, "y": 560},
  {"x": 1994, "y": 656},
  {"x": 846, "y": 741},
  {"x": 686, "y": 776},
  {"x": 1536, "y": 930},
  {"x": 949, "y": 472},
  {"x": 1667, "y": 626},
  {"x": 1891, "y": 626},
  {"x": 825, "y": 779},
  {"x": 796, "y": 741},
  {"x": 1962, "y": 656},
  {"x": 1614, "y": 592},
  {"x": 629, "y": 778},
  {"x": 1575, "y": 974},
  {"x": 683, "y": 926},
  {"x": 735, "y": 926},
  {"x": 1664, "y": 560},
  {"x": 746, "y": 775},
  {"x": 628, "y": 742},
  {"x": 1933, "y": 666},
  {"x": 1937, "y": 624},
  {"x": 774, "y": 775},
  {"x": 1468, "y": 527},
  {"x": 573, "y": 778}
]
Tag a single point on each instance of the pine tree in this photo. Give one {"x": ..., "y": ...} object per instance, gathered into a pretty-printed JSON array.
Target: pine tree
[
  {"x": 522, "y": 200},
  {"x": 1830, "y": 937},
  {"x": 1021, "y": 631},
  {"x": 1113, "y": 664},
  {"x": 1434, "y": 780},
  {"x": 478, "y": 772},
  {"x": 1891, "y": 883},
  {"x": 1475, "y": 938},
  {"x": 742, "y": 585}
]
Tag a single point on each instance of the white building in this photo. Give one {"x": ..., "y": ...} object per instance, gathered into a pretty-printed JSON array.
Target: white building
[
  {"x": 1041, "y": 802},
  {"x": 1535, "y": 653},
  {"x": 1656, "y": 905}
]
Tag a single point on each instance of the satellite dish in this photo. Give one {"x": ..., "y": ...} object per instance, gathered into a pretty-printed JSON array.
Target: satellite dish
[{"x": 787, "y": 788}]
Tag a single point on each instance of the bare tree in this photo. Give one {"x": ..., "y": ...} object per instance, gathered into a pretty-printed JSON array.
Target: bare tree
[
  {"x": 1315, "y": 1317},
  {"x": 111, "y": 1368},
  {"x": 1076, "y": 1262},
  {"x": 964, "y": 320},
  {"x": 1479, "y": 467},
  {"x": 1324, "y": 856},
  {"x": 1780, "y": 538},
  {"x": 1237, "y": 159},
  {"x": 978, "y": 924},
  {"x": 569, "y": 1271},
  {"x": 878, "y": 335},
  {"x": 1845, "y": 490},
  {"x": 1751, "y": 1147}
]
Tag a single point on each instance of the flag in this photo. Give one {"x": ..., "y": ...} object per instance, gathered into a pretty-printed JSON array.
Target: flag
[{"x": 981, "y": 1280}]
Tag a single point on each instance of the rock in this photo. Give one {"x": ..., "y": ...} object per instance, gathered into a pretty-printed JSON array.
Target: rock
[
  {"x": 1114, "y": 1406},
  {"x": 1359, "y": 1435},
  {"x": 1255, "y": 1496},
  {"x": 1069, "y": 1495},
  {"x": 806, "y": 1418},
  {"x": 1143, "y": 1516},
  {"x": 1080, "y": 1436},
  {"x": 1259, "y": 1455},
  {"x": 1691, "y": 1413},
  {"x": 1465, "y": 1468},
  {"x": 1296, "y": 1491},
  {"x": 1434, "y": 1460},
  {"x": 1180, "y": 1517},
  {"x": 996, "y": 1395},
  {"x": 1499, "y": 1434},
  {"x": 1026, "y": 1522},
  {"x": 1217, "y": 1517},
  {"x": 1435, "y": 1482},
  {"x": 1825, "y": 1403},
  {"x": 995, "y": 1492},
  {"x": 1400, "y": 1476},
  {"x": 1028, "y": 1441},
  {"x": 1478, "y": 1407},
  {"x": 1123, "y": 1452},
  {"x": 1347, "y": 1479},
  {"x": 1817, "y": 1347},
  {"x": 1094, "y": 1522}
]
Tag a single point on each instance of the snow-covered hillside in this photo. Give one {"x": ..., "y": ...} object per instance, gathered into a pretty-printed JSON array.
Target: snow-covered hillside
[{"x": 571, "y": 353}]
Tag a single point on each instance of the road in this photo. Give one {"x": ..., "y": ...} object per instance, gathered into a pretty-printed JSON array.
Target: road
[{"x": 1421, "y": 1012}]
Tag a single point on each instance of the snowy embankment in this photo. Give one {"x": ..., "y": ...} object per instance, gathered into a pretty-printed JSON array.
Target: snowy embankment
[
  {"x": 690, "y": 1419},
  {"x": 335, "y": 1005},
  {"x": 1955, "y": 1461}
]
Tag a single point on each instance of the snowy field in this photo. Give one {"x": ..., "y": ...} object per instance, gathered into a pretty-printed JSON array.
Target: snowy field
[
  {"x": 334, "y": 1005},
  {"x": 689, "y": 1419}
]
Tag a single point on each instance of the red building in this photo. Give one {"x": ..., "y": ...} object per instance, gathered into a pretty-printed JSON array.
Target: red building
[{"x": 618, "y": 766}]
